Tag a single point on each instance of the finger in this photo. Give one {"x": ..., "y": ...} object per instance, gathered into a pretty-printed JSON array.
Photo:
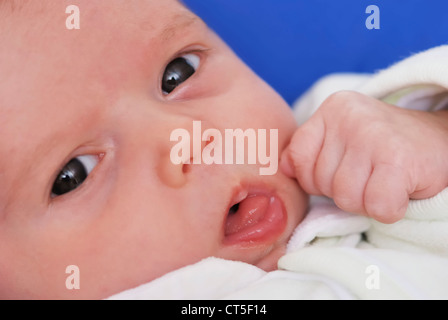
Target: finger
[
  {"x": 286, "y": 164},
  {"x": 350, "y": 182},
  {"x": 328, "y": 162},
  {"x": 304, "y": 150},
  {"x": 386, "y": 196}
]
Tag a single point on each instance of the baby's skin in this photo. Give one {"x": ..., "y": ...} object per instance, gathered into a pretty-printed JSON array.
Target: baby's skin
[
  {"x": 85, "y": 169},
  {"x": 370, "y": 157}
]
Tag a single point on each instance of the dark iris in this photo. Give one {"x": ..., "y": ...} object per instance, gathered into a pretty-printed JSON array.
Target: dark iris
[
  {"x": 70, "y": 177},
  {"x": 176, "y": 72}
]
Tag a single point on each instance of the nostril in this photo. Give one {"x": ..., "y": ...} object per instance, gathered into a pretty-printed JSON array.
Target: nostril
[
  {"x": 186, "y": 168},
  {"x": 209, "y": 140}
]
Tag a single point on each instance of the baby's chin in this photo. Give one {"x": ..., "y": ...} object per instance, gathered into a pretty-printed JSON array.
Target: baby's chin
[
  {"x": 269, "y": 262},
  {"x": 296, "y": 205}
]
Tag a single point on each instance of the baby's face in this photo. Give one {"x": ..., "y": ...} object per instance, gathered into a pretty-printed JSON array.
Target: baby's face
[{"x": 86, "y": 174}]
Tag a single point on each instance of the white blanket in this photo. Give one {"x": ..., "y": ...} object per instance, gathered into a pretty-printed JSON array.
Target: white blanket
[{"x": 338, "y": 255}]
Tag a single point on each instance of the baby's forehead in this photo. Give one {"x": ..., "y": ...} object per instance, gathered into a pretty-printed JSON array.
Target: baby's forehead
[
  {"x": 38, "y": 48},
  {"x": 151, "y": 16}
]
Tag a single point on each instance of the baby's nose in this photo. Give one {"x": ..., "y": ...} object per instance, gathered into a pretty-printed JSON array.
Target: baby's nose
[{"x": 184, "y": 150}]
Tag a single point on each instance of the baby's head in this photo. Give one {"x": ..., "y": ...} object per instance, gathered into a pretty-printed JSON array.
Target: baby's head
[{"x": 86, "y": 172}]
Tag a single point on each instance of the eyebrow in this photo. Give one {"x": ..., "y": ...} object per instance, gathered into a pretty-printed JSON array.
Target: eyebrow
[
  {"x": 181, "y": 21},
  {"x": 11, "y": 6}
]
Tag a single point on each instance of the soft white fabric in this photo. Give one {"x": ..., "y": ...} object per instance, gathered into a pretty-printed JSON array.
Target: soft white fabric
[
  {"x": 214, "y": 278},
  {"x": 424, "y": 73},
  {"x": 326, "y": 222},
  {"x": 424, "y": 230},
  {"x": 409, "y": 257},
  {"x": 334, "y": 254}
]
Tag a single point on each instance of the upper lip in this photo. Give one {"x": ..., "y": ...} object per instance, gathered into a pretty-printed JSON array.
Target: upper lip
[
  {"x": 242, "y": 191},
  {"x": 238, "y": 195}
]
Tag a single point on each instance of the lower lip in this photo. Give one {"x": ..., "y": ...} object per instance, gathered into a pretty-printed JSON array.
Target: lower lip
[{"x": 261, "y": 220}]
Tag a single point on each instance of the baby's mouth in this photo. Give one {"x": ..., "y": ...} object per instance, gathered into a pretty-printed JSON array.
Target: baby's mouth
[{"x": 254, "y": 217}]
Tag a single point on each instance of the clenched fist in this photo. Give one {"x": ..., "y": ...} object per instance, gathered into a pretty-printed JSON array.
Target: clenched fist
[{"x": 368, "y": 156}]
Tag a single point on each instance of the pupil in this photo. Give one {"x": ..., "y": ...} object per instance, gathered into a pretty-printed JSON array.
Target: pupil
[
  {"x": 176, "y": 72},
  {"x": 173, "y": 81}
]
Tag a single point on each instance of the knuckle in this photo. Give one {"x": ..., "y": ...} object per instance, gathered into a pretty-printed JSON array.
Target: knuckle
[
  {"x": 348, "y": 201},
  {"x": 322, "y": 186},
  {"x": 383, "y": 213},
  {"x": 347, "y": 194},
  {"x": 323, "y": 177},
  {"x": 341, "y": 98}
]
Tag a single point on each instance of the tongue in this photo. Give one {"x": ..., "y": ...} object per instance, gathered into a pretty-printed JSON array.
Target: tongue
[{"x": 250, "y": 211}]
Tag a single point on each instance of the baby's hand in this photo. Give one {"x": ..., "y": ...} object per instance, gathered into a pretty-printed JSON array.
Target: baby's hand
[{"x": 369, "y": 156}]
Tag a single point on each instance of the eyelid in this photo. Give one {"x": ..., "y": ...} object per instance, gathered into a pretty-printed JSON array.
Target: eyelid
[
  {"x": 89, "y": 161},
  {"x": 193, "y": 49}
]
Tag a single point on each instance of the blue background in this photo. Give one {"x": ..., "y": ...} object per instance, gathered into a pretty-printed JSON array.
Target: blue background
[{"x": 292, "y": 43}]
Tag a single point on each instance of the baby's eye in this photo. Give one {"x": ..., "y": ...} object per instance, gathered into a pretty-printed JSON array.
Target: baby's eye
[
  {"x": 179, "y": 70},
  {"x": 73, "y": 174}
]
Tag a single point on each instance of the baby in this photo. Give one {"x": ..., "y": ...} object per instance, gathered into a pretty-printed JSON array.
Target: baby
[{"x": 86, "y": 117}]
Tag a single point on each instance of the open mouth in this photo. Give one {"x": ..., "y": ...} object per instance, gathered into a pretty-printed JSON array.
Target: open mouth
[{"x": 254, "y": 217}]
